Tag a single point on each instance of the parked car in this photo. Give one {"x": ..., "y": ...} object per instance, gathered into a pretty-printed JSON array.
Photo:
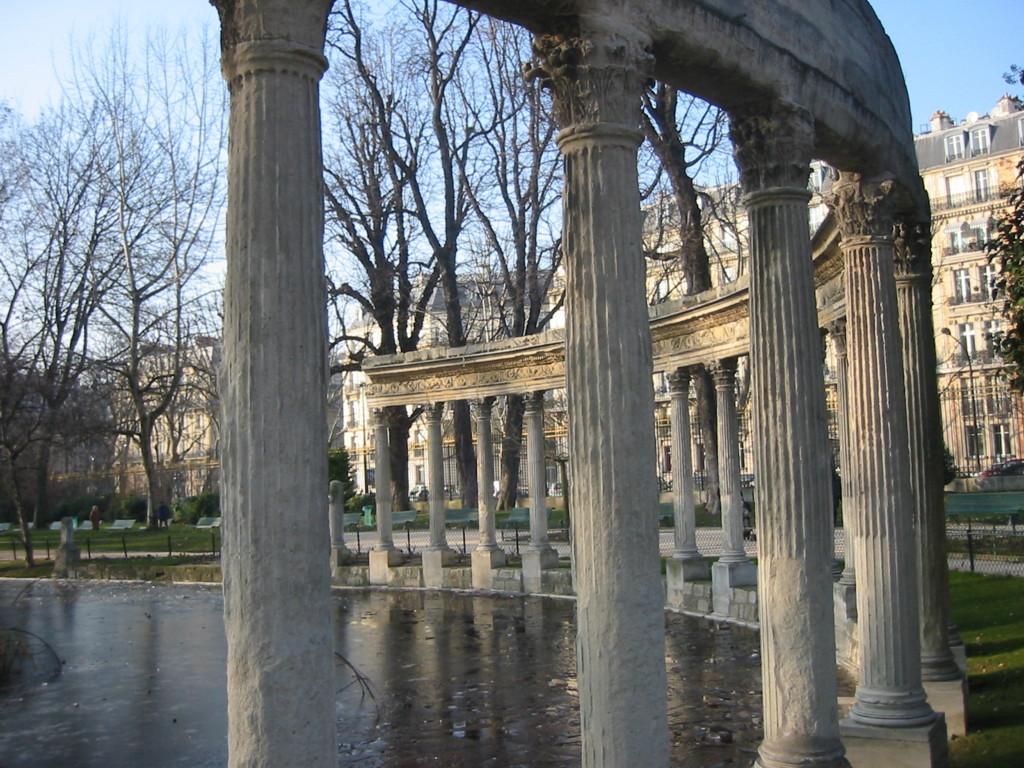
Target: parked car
[{"x": 1004, "y": 468}]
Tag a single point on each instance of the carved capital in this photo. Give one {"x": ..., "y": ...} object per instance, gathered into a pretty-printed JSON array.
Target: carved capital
[
  {"x": 432, "y": 412},
  {"x": 724, "y": 373},
  {"x": 837, "y": 331},
  {"x": 863, "y": 207},
  {"x": 481, "y": 407},
  {"x": 773, "y": 147},
  {"x": 913, "y": 249},
  {"x": 679, "y": 382},
  {"x": 595, "y": 82},
  {"x": 534, "y": 402},
  {"x": 378, "y": 418}
]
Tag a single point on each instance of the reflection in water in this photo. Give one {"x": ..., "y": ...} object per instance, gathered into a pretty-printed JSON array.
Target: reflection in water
[{"x": 449, "y": 679}]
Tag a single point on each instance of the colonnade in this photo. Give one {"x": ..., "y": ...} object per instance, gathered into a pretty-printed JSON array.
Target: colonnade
[{"x": 273, "y": 380}]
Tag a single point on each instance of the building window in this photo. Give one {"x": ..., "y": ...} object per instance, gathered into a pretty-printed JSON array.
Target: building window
[
  {"x": 961, "y": 285},
  {"x": 975, "y": 441},
  {"x": 1001, "y": 440},
  {"x": 989, "y": 282},
  {"x": 979, "y": 141},
  {"x": 968, "y": 337},
  {"x": 1020, "y": 133},
  {"x": 956, "y": 189},
  {"x": 954, "y": 147},
  {"x": 981, "y": 185}
]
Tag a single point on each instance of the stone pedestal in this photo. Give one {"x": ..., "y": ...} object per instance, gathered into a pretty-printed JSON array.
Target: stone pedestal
[
  {"x": 726, "y": 576},
  {"x": 434, "y": 561},
  {"x": 534, "y": 562},
  {"x": 847, "y": 646},
  {"x": 484, "y": 562},
  {"x": 678, "y": 571},
  {"x": 65, "y": 562},
  {"x": 869, "y": 746},
  {"x": 340, "y": 556},
  {"x": 381, "y": 560},
  {"x": 950, "y": 698}
]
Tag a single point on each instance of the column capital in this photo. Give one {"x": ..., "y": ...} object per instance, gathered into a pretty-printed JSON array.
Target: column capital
[
  {"x": 481, "y": 407},
  {"x": 596, "y": 82},
  {"x": 773, "y": 146},
  {"x": 723, "y": 371},
  {"x": 913, "y": 249},
  {"x": 272, "y": 37},
  {"x": 433, "y": 411},
  {"x": 378, "y": 418},
  {"x": 679, "y": 381},
  {"x": 864, "y": 208},
  {"x": 534, "y": 401},
  {"x": 837, "y": 331}
]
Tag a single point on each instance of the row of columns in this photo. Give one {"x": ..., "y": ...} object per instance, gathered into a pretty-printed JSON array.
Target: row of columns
[{"x": 280, "y": 708}]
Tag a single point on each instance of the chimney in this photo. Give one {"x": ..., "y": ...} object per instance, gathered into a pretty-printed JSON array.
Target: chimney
[
  {"x": 1007, "y": 105},
  {"x": 940, "y": 121}
]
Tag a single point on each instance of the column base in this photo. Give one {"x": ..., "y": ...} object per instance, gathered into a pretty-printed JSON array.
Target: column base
[
  {"x": 535, "y": 561},
  {"x": 847, "y": 641},
  {"x": 434, "y": 561},
  {"x": 680, "y": 571},
  {"x": 65, "y": 562},
  {"x": 726, "y": 576},
  {"x": 484, "y": 561},
  {"x": 869, "y": 746},
  {"x": 950, "y": 698},
  {"x": 802, "y": 753},
  {"x": 340, "y": 556},
  {"x": 380, "y": 561}
]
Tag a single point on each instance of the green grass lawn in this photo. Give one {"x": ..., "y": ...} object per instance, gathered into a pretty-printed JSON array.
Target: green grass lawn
[
  {"x": 989, "y": 610},
  {"x": 177, "y": 539}
]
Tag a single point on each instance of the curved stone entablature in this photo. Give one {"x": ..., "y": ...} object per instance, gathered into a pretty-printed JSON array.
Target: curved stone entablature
[
  {"x": 834, "y": 60},
  {"x": 694, "y": 330}
]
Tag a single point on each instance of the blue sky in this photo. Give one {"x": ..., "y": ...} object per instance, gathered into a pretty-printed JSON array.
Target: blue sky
[{"x": 953, "y": 53}]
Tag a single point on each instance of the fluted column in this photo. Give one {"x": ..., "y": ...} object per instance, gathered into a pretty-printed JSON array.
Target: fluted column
[
  {"x": 485, "y": 474},
  {"x": 773, "y": 149},
  {"x": 273, "y": 386},
  {"x": 336, "y": 510},
  {"x": 382, "y": 482},
  {"x": 924, "y": 417},
  {"x": 620, "y": 651},
  {"x": 435, "y": 477},
  {"x": 837, "y": 330},
  {"x": 724, "y": 374},
  {"x": 889, "y": 691},
  {"x": 535, "y": 472},
  {"x": 685, "y": 534}
]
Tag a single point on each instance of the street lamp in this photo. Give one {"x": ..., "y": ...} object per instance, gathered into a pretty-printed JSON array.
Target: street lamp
[{"x": 974, "y": 401}]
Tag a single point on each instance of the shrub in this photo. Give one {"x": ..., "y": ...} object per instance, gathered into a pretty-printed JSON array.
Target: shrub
[
  {"x": 194, "y": 507},
  {"x": 360, "y": 500},
  {"x": 133, "y": 507}
]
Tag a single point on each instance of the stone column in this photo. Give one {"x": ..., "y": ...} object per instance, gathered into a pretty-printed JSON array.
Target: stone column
[
  {"x": 733, "y": 568},
  {"x": 685, "y": 534},
  {"x": 620, "y": 646},
  {"x": 845, "y": 590},
  {"x": 773, "y": 149},
  {"x": 273, "y": 385},
  {"x": 889, "y": 693},
  {"x": 437, "y": 554},
  {"x": 487, "y": 555},
  {"x": 539, "y": 555},
  {"x": 385, "y": 554},
  {"x": 340, "y": 554},
  {"x": 939, "y": 670}
]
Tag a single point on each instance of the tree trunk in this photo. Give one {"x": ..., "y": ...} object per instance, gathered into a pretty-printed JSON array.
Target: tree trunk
[
  {"x": 42, "y": 485},
  {"x": 465, "y": 452},
  {"x": 399, "y": 423},
  {"x": 511, "y": 450},
  {"x": 707, "y": 416}
]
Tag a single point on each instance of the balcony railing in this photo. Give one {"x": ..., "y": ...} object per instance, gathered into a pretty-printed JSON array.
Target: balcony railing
[
  {"x": 971, "y": 197},
  {"x": 974, "y": 297}
]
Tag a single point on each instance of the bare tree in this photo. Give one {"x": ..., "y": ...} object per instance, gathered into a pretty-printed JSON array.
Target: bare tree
[
  {"x": 165, "y": 180},
  {"x": 517, "y": 210},
  {"x": 56, "y": 273},
  {"x": 683, "y": 142},
  {"x": 408, "y": 204}
]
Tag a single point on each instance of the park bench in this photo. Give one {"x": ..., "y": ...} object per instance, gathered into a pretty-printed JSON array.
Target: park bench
[
  {"x": 460, "y": 516},
  {"x": 403, "y": 516},
  {"x": 518, "y": 518},
  {"x": 985, "y": 503},
  {"x": 666, "y": 512},
  {"x": 55, "y": 525},
  {"x": 121, "y": 525},
  {"x": 5, "y": 527},
  {"x": 208, "y": 522},
  {"x": 352, "y": 518}
]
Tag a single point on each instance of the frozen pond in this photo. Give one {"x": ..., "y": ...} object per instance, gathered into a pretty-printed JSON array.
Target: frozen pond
[{"x": 453, "y": 680}]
